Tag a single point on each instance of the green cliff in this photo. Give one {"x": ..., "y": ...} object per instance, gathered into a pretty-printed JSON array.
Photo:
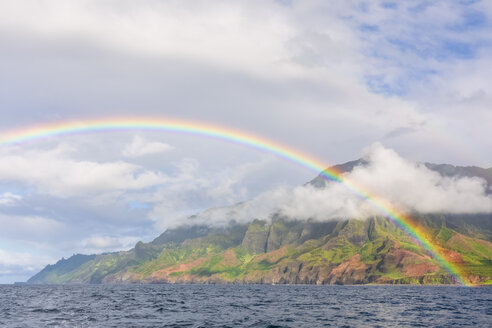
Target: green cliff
[{"x": 291, "y": 252}]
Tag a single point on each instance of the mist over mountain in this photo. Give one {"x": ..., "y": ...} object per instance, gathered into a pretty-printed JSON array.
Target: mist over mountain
[
  {"x": 318, "y": 233},
  {"x": 408, "y": 186}
]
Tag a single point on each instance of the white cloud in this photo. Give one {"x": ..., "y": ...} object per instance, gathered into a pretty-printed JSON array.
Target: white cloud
[
  {"x": 8, "y": 198},
  {"x": 99, "y": 243},
  {"x": 20, "y": 266},
  {"x": 405, "y": 185},
  {"x": 202, "y": 30},
  {"x": 305, "y": 63},
  {"x": 8, "y": 258},
  {"x": 56, "y": 173},
  {"x": 433, "y": 55},
  {"x": 141, "y": 147},
  {"x": 29, "y": 227},
  {"x": 414, "y": 40},
  {"x": 414, "y": 187},
  {"x": 191, "y": 191}
]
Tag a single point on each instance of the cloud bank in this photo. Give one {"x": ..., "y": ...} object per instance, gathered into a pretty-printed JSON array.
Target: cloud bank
[
  {"x": 56, "y": 172},
  {"x": 406, "y": 185}
]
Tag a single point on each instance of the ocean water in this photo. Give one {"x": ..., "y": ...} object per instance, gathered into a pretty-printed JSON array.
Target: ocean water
[{"x": 243, "y": 306}]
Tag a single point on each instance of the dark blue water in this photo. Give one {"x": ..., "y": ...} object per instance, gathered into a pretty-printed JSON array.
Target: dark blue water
[{"x": 243, "y": 306}]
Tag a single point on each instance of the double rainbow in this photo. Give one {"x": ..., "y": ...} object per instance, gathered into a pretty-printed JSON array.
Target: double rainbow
[{"x": 158, "y": 124}]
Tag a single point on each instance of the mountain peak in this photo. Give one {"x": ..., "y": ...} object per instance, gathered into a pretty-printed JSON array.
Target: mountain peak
[{"x": 445, "y": 170}]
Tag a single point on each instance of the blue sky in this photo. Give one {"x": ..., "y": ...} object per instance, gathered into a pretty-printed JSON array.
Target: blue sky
[
  {"x": 330, "y": 78},
  {"x": 401, "y": 34}
]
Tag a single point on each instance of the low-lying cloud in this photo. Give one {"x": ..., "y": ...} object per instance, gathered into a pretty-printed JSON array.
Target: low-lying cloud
[
  {"x": 406, "y": 185},
  {"x": 20, "y": 265},
  {"x": 99, "y": 243}
]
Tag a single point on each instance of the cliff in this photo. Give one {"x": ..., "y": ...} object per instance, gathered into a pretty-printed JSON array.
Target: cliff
[{"x": 290, "y": 252}]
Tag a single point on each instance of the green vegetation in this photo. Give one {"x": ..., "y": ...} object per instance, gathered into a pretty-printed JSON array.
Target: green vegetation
[{"x": 352, "y": 251}]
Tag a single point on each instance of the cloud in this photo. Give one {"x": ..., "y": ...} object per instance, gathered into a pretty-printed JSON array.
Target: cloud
[
  {"x": 8, "y": 198},
  {"x": 405, "y": 185},
  {"x": 8, "y": 258},
  {"x": 316, "y": 63},
  {"x": 204, "y": 31},
  {"x": 305, "y": 65},
  {"x": 19, "y": 266},
  {"x": 414, "y": 187},
  {"x": 414, "y": 41},
  {"x": 141, "y": 147},
  {"x": 58, "y": 216},
  {"x": 29, "y": 227},
  {"x": 190, "y": 191},
  {"x": 56, "y": 173},
  {"x": 399, "y": 132},
  {"x": 101, "y": 243}
]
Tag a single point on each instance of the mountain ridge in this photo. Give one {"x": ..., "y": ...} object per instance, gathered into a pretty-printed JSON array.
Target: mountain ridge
[
  {"x": 285, "y": 250},
  {"x": 446, "y": 170}
]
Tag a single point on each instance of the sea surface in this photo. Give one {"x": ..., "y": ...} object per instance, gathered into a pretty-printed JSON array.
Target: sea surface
[{"x": 243, "y": 306}]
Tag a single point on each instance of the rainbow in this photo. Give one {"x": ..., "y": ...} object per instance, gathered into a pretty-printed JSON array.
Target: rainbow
[{"x": 46, "y": 131}]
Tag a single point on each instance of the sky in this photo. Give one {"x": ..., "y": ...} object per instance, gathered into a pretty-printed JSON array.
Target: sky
[{"x": 337, "y": 80}]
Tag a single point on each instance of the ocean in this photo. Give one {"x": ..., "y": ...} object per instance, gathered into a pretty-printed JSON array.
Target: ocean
[{"x": 244, "y": 306}]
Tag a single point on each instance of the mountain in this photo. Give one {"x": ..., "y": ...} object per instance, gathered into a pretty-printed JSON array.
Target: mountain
[
  {"x": 288, "y": 251},
  {"x": 446, "y": 170},
  {"x": 63, "y": 266}
]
